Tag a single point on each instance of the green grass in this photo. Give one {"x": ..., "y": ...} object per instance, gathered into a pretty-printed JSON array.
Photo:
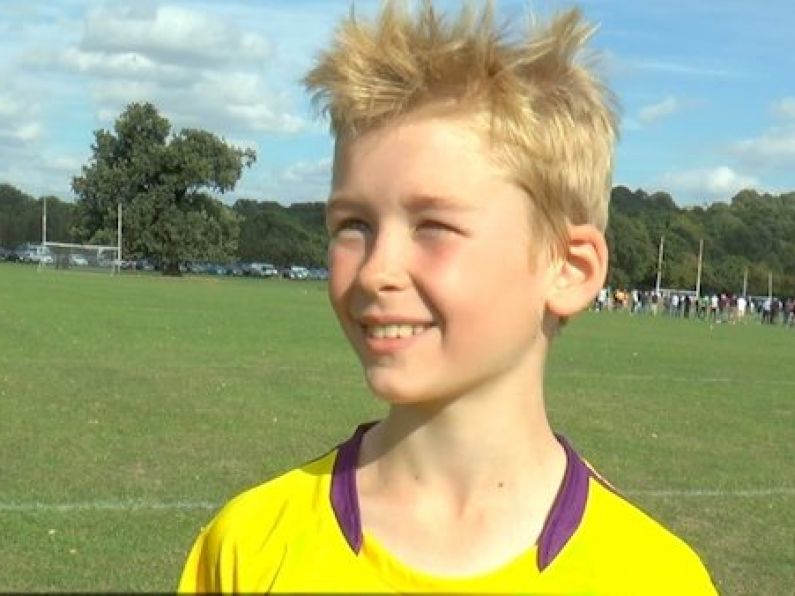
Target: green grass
[{"x": 144, "y": 390}]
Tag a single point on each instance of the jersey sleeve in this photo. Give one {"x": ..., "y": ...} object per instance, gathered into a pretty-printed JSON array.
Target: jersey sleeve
[
  {"x": 196, "y": 574},
  {"x": 242, "y": 548}
]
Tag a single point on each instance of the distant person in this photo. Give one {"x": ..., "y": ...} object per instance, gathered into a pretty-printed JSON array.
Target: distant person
[
  {"x": 675, "y": 305},
  {"x": 775, "y": 310},
  {"x": 601, "y": 299},
  {"x": 714, "y": 305},
  {"x": 742, "y": 304},
  {"x": 767, "y": 310},
  {"x": 466, "y": 220},
  {"x": 723, "y": 305}
]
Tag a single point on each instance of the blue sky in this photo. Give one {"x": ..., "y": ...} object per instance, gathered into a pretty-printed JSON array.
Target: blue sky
[{"x": 707, "y": 87}]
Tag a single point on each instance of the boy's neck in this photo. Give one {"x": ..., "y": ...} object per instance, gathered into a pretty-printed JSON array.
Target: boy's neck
[
  {"x": 476, "y": 471},
  {"x": 466, "y": 451}
]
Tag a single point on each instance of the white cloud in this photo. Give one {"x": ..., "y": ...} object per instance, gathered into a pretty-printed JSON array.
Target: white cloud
[
  {"x": 773, "y": 149},
  {"x": 298, "y": 182},
  {"x": 621, "y": 65},
  {"x": 199, "y": 69},
  {"x": 785, "y": 107},
  {"x": 232, "y": 102},
  {"x": 708, "y": 183},
  {"x": 303, "y": 172},
  {"x": 674, "y": 67},
  {"x": 39, "y": 172},
  {"x": 124, "y": 65},
  {"x": 19, "y": 119},
  {"x": 68, "y": 165},
  {"x": 171, "y": 35},
  {"x": 658, "y": 110}
]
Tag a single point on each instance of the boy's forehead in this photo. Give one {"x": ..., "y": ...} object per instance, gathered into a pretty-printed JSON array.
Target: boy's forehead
[{"x": 432, "y": 156}]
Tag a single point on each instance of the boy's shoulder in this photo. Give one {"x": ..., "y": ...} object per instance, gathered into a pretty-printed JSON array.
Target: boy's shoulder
[
  {"x": 622, "y": 545},
  {"x": 244, "y": 547},
  {"x": 276, "y": 506},
  {"x": 296, "y": 488},
  {"x": 597, "y": 538}
]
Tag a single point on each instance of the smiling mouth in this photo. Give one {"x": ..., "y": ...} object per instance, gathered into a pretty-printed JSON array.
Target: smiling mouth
[{"x": 394, "y": 331}]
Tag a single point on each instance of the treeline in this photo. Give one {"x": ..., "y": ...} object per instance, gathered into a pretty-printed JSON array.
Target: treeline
[
  {"x": 268, "y": 231},
  {"x": 753, "y": 233}
]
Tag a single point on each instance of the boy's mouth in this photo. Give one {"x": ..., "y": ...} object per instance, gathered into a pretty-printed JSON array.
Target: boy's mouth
[{"x": 393, "y": 331}]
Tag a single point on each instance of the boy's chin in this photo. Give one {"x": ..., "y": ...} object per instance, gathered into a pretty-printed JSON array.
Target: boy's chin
[{"x": 402, "y": 391}]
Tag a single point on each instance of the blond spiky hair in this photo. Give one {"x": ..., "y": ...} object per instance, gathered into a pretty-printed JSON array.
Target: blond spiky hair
[{"x": 551, "y": 121}]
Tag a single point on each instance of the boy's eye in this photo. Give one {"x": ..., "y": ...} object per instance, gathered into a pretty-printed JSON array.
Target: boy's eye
[
  {"x": 351, "y": 225},
  {"x": 433, "y": 227}
]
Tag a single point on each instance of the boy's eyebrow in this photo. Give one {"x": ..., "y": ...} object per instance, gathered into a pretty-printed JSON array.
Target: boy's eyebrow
[
  {"x": 414, "y": 202},
  {"x": 420, "y": 202},
  {"x": 343, "y": 202}
]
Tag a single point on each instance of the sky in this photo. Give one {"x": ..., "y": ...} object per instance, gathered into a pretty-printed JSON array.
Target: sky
[{"x": 706, "y": 87}]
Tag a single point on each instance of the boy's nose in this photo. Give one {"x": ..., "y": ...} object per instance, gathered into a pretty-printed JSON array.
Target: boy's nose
[{"x": 384, "y": 268}]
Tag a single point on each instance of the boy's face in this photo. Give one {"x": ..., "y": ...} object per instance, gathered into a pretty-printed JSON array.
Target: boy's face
[{"x": 431, "y": 274}]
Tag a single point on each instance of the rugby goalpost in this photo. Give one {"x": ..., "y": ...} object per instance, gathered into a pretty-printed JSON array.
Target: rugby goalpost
[{"x": 67, "y": 254}]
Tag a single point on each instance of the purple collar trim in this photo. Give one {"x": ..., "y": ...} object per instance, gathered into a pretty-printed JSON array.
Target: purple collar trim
[
  {"x": 344, "y": 497},
  {"x": 567, "y": 510},
  {"x": 563, "y": 520}
]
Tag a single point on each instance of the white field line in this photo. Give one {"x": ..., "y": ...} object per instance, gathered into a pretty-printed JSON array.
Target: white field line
[
  {"x": 663, "y": 378},
  {"x": 35, "y": 507},
  {"x": 707, "y": 492}
]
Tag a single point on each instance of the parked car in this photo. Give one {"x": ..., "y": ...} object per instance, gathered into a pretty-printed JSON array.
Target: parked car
[
  {"x": 214, "y": 269},
  {"x": 144, "y": 265},
  {"x": 318, "y": 273},
  {"x": 295, "y": 272},
  {"x": 262, "y": 270},
  {"x": 11, "y": 256},
  {"x": 35, "y": 253},
  {"x": 196, "y": 267},
  {"x": 235, "y": 270},
  {"x": 78, "y": 260}
]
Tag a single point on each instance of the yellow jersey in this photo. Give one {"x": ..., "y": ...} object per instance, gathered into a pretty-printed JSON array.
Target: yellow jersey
[{"x": 301, "y": 532}]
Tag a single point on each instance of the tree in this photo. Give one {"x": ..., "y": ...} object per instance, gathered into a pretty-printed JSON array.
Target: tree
[
  {"x": 631, "y": 252},
  {"x": 161, "y": 180},
  {"x": 282, "y": 235},
  {"x": 20, "y": 217}
]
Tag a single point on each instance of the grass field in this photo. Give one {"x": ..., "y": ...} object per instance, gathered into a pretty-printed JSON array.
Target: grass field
[{"x": 131, "y": 407}]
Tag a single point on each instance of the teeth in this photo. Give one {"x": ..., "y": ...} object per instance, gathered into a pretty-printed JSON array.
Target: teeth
[{"x": 394, "y": 331}]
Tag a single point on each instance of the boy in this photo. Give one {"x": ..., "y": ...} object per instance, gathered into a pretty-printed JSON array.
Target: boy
[{"x": 466, "y": 218}]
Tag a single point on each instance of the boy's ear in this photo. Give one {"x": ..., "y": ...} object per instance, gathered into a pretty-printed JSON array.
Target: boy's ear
[{"x": 581, "y": 271}]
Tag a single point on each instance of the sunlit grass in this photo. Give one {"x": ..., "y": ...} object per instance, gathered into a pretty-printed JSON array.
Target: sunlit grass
[{"x": 182, "y": 392}]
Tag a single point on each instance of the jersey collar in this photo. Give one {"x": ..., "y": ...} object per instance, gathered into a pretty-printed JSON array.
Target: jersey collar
[{"x": 562, "y": 521}]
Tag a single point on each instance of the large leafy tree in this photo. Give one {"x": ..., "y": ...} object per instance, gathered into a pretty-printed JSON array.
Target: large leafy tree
[{"x": 162, "y": 181}]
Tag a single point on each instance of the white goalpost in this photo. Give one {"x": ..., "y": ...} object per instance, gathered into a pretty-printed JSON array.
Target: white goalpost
[{"x": 65, "y": 255}]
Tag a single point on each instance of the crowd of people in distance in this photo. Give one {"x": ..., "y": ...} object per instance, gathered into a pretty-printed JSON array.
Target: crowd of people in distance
[{"x": 713, "y": 308}]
